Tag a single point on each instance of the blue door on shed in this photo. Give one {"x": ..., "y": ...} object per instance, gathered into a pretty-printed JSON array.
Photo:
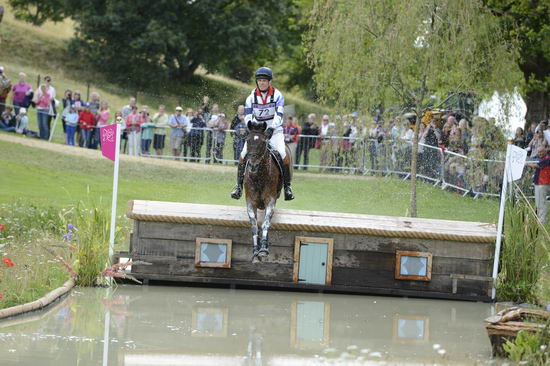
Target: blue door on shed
[{"x": 313, "y": 263}]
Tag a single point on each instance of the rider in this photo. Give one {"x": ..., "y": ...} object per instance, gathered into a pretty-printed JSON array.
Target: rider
[{"x": 266, "y": 104}]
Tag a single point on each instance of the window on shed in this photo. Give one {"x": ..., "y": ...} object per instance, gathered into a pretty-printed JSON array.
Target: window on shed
[
  {"x": 213, "y": 253},
  {"x": 415, "y": 266}
]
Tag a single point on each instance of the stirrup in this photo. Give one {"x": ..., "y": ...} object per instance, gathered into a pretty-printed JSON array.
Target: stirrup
[
  {"x": 237, "y": 192},
  {"x": 289, "y": 196}
]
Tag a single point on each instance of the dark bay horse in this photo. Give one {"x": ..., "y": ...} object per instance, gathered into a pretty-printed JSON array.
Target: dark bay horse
[{"x": 262, "y": 184}]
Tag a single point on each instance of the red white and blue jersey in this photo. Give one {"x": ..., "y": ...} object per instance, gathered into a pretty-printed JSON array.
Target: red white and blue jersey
[{"x": 266, "y": 106}]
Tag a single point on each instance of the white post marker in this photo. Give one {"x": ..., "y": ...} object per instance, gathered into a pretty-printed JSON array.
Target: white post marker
[
  {"x": 513, "y": 170},
  {"x": 53, "y": 127},
  {"x": 115, "y": 193}
]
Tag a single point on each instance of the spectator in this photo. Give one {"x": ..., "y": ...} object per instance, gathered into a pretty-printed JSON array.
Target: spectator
[
  {"x": 196, "y": 135},
  {"x": 177, "y": 122},
  {"x": 376, "y": 137},
  {"x": 127, "y": 109},
  {"x": 7, "y": 119},
  {"x": 291, "y": 132},
  {"x": 67, "y": 102},
  {"x": 542, "y": 182},
  {"x": 5, "y": 87},
  {"x": 78, "y": 105},
  {"x": 21, "y": 123},
  {"x": 326, "y": 132},
  {"x": 519, "y": 138},
  {"x": 455, "y": 139},
  {"x": 309, "y": 128},
  {"x": 218, "y": 137},
  {"x": 430, "y": 158},
  {"x": 103, "y": 114},
  {"x": 160, "y": 119},
  {"x": 238, "y": 136},
  {"x": 465, "y": 135},
  {"x": 205, "y": 108},
  {"x": 345, "y": 157},
  {"x": 210, "y": 124},
  {"x": 71, "y": 120},
  {"x": 536, "y": 143},
  {"x": 147, "y": 132},
  {"x": 531, "y": 133},
  {"x": 52, "y": 112},
  {"x": 87, "y": 122},
  {"x": 133, "y": 129},
  {"x": 43, "y": 102},
  {"x": 185, "y": 141},
  {"x": 446, "y": 131},
  {"x": 21, "y": 92},
  {"x": 94, "y": 105}
]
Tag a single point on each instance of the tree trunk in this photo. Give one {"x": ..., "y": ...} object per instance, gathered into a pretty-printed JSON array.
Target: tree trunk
[
  {"x": 414, "y": 162},
  {"x": 536, "y": 70},
  {"x": 185, "y": 74},
  {"x": 537, "y": 106}
]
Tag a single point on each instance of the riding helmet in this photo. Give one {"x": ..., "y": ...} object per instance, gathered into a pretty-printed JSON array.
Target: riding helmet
[{"x": 264, "y": 73}]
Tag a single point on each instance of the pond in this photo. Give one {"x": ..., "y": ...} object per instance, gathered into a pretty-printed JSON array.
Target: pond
[{"x": 159, "y": 325}]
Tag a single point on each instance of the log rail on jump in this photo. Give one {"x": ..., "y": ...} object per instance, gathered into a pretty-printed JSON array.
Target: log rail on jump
[{"x": 312, "y": 250}]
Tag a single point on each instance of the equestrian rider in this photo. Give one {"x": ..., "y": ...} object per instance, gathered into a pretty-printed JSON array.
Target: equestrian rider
[{"x": 266, "y": 104}]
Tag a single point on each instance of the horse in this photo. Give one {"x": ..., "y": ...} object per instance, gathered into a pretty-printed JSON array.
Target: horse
[{"x": 262, "y": 183}]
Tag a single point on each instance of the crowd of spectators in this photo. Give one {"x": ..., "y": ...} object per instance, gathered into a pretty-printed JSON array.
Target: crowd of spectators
[{"x": 369, "y": 144}]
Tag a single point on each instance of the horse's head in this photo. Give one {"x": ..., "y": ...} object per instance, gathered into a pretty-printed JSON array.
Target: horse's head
[{"x": 256, "y": 143}]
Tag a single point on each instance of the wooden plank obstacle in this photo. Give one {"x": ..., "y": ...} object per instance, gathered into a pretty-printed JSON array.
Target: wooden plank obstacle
[{"x": 348, "y": 252}]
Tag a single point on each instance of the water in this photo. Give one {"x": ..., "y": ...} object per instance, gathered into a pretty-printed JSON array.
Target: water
[{"x": 199, "y": 326}]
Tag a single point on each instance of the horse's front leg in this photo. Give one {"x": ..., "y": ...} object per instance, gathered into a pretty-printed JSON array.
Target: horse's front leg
[
  {"x": 264, "y": 242},
  {"x": 252, "y": 215}
]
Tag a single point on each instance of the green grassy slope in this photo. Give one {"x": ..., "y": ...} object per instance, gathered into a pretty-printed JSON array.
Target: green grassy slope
[{"x": 58, "y": 179}]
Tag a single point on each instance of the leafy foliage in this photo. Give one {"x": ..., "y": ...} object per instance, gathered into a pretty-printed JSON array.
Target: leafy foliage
[
  {"x": 522, "y": 256},
  {"x": 365, "y": 53},
  {"x": 529, "y": 348},
  {"x": 37, "y": 12},
  {"x": 527, "y": 22}
]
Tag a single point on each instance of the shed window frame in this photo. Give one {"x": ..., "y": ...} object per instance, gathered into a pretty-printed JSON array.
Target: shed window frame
[
  {"x": 403, "y": 253},
  {"x": 198, "y": 244}
]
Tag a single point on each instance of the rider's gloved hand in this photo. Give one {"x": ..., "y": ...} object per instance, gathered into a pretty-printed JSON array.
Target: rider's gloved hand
[{"x": 268, "y": 132}]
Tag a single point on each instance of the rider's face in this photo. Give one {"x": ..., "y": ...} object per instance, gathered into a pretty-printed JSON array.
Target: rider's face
[{"x": 263, "y": 84}]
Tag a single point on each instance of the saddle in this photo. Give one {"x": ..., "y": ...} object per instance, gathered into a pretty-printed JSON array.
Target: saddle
[{"x": 277, "y": 158}]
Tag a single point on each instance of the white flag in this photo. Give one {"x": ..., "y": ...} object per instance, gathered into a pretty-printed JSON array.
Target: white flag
[{"x": 516, "y": 157}]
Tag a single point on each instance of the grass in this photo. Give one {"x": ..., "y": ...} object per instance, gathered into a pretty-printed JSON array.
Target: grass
[
  {"x": 31, "y": 173},
  {"x": 27, "y": 229}
]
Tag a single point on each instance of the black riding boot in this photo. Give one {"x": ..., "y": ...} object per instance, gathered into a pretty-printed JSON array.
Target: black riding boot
[
  {"x": 286, "y": 182},
  {"x": 238, "y": 190}
]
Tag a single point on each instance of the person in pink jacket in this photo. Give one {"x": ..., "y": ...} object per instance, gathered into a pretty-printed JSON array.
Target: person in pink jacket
[{"x": 133, "y": 129}]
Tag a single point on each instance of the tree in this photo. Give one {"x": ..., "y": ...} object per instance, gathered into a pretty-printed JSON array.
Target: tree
[
  {"x": 394, "y": 51},
  {"x": 141, "y": 40},
  {"x": 37, "y": 12},
  {"x": 528, "y": 23}
]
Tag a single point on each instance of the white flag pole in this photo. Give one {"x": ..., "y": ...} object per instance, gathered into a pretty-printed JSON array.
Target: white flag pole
[
  {"x": 115, "y": 193},
  {"x": 505, "y": 179}
]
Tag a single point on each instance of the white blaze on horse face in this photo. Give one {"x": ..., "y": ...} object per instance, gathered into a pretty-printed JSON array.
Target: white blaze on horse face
[{"x": 256, "y": 137}]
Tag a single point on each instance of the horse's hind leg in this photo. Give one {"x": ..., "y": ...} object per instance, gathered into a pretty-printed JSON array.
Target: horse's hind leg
[
  {"x": 264, "y": 243},
  {"x": 251, "y": 210}
]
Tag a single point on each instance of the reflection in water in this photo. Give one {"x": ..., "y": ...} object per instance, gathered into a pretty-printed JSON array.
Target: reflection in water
[{"x": 199, "y": 326}]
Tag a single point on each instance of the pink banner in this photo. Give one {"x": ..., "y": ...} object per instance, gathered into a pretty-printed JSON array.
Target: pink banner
[{"x": 108, "y": 137}]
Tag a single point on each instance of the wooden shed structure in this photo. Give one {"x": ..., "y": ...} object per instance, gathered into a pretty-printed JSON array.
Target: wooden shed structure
[{"x": 312, "y": 250}]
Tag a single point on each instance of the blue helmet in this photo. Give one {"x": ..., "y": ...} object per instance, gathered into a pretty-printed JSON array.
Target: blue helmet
[{"x": 264, "y": 73}]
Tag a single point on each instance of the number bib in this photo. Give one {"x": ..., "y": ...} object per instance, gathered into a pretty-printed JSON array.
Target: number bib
[{"x": 264, "y": 112}]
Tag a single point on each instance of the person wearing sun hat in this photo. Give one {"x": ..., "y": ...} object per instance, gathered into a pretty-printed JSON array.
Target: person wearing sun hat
[{"x": 177, "y": 122}]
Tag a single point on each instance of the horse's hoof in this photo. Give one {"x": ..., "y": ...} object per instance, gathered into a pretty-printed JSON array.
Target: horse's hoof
[
  {"x": 255, "y": 260},
  {"x": 263, "y": 252}
]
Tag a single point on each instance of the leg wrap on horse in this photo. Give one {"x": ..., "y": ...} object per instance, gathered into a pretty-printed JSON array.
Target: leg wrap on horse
[{"x": 237, "y": 191}]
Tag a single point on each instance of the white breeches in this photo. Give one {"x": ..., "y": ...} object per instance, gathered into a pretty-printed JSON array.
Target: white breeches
[{"x": 276, "y": 142}]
